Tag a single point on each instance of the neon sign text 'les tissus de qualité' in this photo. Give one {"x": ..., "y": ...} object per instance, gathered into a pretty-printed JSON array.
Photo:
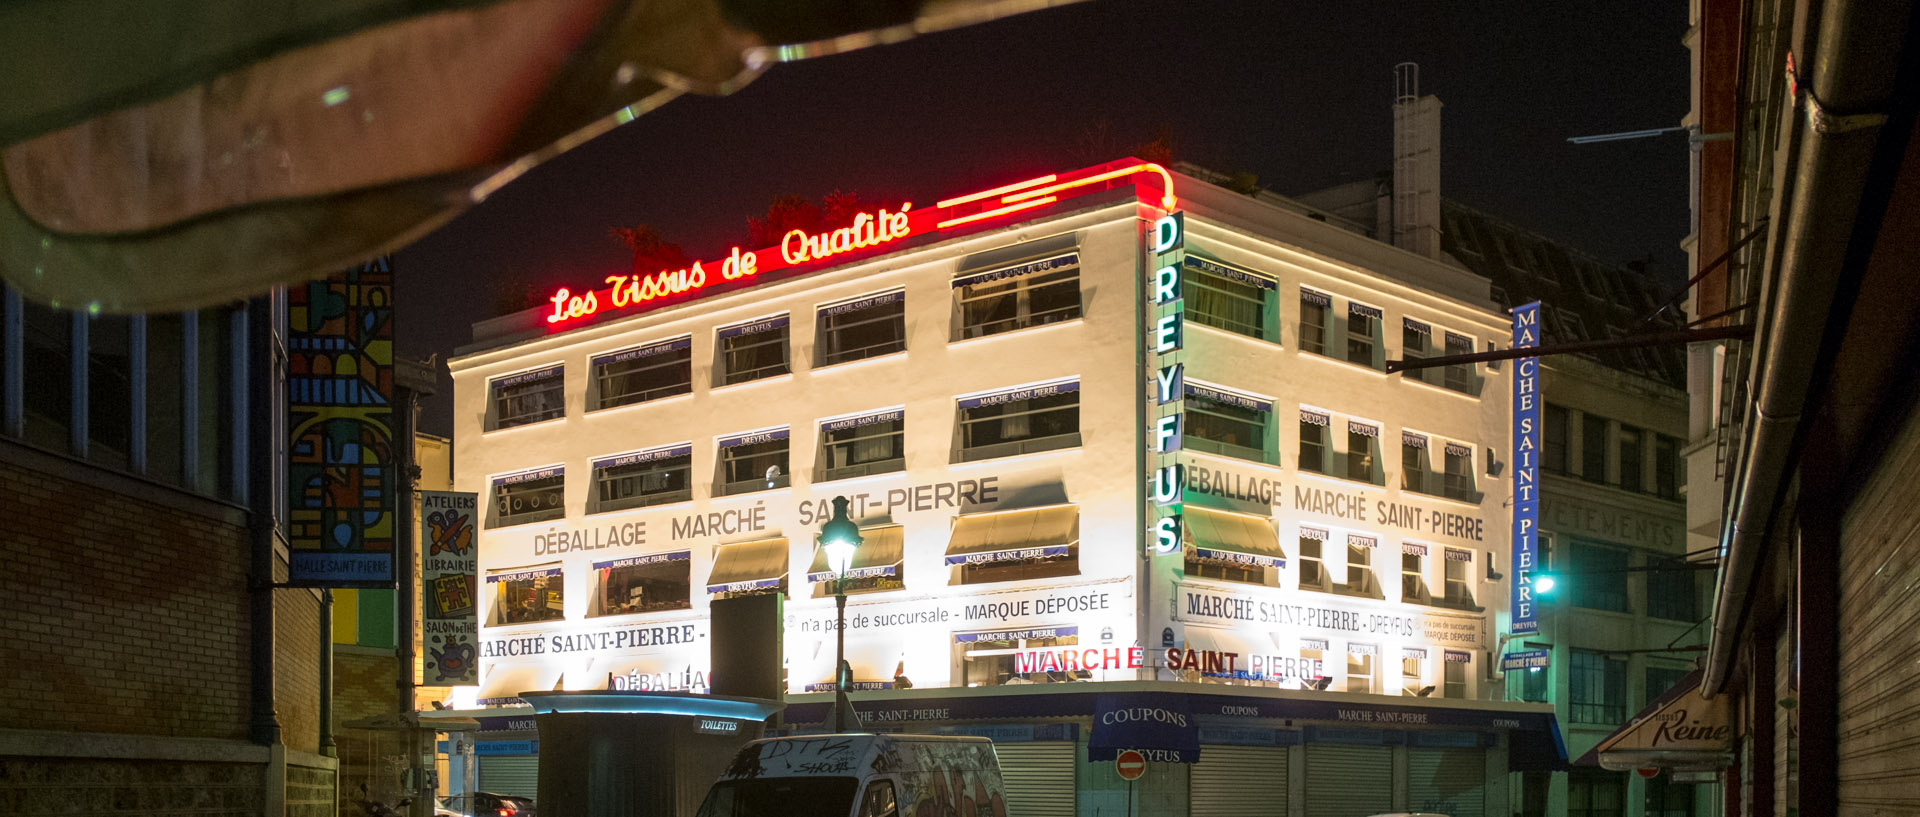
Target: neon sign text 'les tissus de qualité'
[{"x": 867, "y": 230}]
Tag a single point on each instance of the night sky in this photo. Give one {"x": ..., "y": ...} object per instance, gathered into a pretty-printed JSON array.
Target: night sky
[{"x": 1299, "y": 93}]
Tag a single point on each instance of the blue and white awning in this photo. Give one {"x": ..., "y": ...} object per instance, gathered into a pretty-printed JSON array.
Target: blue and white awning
[
  {"x": 1363, "y": 311},
  {"x": 864, "y": 303},
  {"x": 1019, "y": 394},
  {"x": 529, "y": 475},
  {"x": 649, "y": 559},
  {"x": 1231, "y": 273},
  {"x": 1235, "y": 538},
  {"x": 892, "y": 415},
  {"x": 766, "y": 435},
  {"x": 523, "y": 575},
  {"x": 1228, "y": 397},
  {"x": 665, "y": 452},
  {"x": 753, "y": 327},
  {"x": 679, "y": 344},
  {"x": 1057, "y": 262},
  {"x": 749, "y": 566},
  {"x": 1314, "y": 297}
]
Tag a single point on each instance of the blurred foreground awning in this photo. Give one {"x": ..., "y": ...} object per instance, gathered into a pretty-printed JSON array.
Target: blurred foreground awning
[{"x": 168, "y": 154}]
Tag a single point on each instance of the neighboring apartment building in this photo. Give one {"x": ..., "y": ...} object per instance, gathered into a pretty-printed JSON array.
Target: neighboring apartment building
[
  {"x": 989, "y": 380},
  {"x": 1805, "y": 441},
  {"x": 151, "y": 668}
]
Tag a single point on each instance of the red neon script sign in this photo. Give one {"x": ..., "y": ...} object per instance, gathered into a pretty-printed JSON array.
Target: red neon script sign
[{"x": 868, "y": 230}]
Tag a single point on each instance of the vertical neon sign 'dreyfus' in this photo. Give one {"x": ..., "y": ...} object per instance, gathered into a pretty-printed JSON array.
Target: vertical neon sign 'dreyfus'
[
  {"x": 1164, "y": 341},
  {"x": 1526, "y": 468}
]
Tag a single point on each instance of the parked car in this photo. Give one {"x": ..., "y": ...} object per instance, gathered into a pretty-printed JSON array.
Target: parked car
[
  {"x": 488, "y": 804},
  {"x": 860, "y": 776}
]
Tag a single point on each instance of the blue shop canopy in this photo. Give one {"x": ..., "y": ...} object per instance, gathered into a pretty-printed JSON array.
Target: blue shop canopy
[{"x": 1159, "y": 726}]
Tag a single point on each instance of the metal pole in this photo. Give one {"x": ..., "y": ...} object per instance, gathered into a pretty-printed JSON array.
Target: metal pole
[{"x": 840, "y": 654}]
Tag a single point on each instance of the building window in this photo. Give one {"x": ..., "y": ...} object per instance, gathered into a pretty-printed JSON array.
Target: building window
[
  {"x": 754, "y": 350},
  {"x": 1459, "y": 376},
  {"x": 110, "y": 391},
  {"x": 1363, "y": 455},
  {"x": 647, "y": 373},
  {"x": 1413, "y": 573},
  {"x": 1414, "y": 340},
  {"x": 1593, "y": 448},
  {"x": 47, "y": 371},
  {"x": 1534, "y": 684},
  {"x": 1313, "y": 657},
  {"x": 1554, "y": 440},
  {"x": 165, "y": 401},
  {"x": 527, "y": 397},
  {"x": 1596, "y": 793},
  {"x": 1360, "y": 663},
  {"x": 1224, "y": 422},
  {"x": 1021, "y": 297},
  {"x": 868, "y": 444},
  {"x": 1665, "y": 798},
  {"x": 1661, "y": 679},
  {"x": 640, "y": 479},
  {"x": 1456, "y": 664},
  {"x": 1459, "y": 586},
  {"x": 216, "y": 433},
  {"x": 644, "y": 584},
  {"x": 1596, "y": 688},
  {"x": 1360, "y": 579},
  {"x": 1600, "y": 581},
  {"x": 1026, "y": 656},
  {"x": 1630, "y": 439},
  {"x": 1413, "y": 463},
  {"x": 1673, "y": 594},
  {"x": 1313, "y": 441},
  {"x": 862, "y": 328},
  {"x": 1363, "y": 335},
  {"x": 1022, "y": 421},
  {"x": 1313, "y": 571},
  {"x": 755, "y": 461},
  {"x": 1222, "y": 297},
  {"x": 1313, "y": 321},
  {"x": 525, "y": 596},
  {"x": 1458, "y": 483},
  {"x": 1411, "y": 670},
  {"x": 1667, "y": 474},
  {"x": 529, "y": 496}
]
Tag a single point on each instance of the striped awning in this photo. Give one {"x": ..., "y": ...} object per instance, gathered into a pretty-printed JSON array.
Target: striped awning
[
  {"x": 879, "y": 554},
  {"x": 1014, "y": 536},
  {"x": 749, "y": 566},
  {"x": 1239, "y": 538}
]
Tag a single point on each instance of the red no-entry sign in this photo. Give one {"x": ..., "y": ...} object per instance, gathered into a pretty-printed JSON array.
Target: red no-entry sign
[{"x": 1130, "y": 764}]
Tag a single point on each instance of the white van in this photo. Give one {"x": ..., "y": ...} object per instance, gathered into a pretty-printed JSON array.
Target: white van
[{"x": 861, "y": 775}]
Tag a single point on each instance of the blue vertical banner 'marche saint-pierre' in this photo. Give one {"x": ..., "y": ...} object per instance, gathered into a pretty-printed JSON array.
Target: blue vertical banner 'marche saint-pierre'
[{"x": 1526, "y": 469}]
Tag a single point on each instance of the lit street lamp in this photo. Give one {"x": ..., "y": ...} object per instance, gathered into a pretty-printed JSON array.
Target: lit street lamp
[{"x": 840, "y": 539}]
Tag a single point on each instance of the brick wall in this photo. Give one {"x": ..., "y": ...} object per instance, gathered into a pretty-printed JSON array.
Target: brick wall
[
  {"x": 131, "y": 615},
  {"x": 296, "y": 682}
]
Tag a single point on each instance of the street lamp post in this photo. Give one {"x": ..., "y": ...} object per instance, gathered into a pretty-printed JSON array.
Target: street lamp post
[{"x": 840, "y": 538}]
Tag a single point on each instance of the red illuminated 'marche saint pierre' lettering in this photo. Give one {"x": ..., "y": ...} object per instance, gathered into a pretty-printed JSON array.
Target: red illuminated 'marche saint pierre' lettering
[{"x": 867, "y": 231}]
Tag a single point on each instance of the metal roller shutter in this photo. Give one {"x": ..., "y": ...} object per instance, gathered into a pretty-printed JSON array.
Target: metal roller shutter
[
  {"x": 511, "y": 774},
  {"x": 1239, "y": 781},
  {"x": 1349, "y": 781},
  {"x": 1879, "y": 563},
  {"x": 1448, "y": 781},
  {"x": 1039, "y": 778}
]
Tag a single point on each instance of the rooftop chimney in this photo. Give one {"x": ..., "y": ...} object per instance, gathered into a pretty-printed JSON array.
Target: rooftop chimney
[{"x": 1416, "y": 164}]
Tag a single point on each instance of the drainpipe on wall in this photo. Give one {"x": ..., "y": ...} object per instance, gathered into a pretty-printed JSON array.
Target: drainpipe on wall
[
  {"x": 254, "y": 393},
  {"x": 1833, "y": 132}
]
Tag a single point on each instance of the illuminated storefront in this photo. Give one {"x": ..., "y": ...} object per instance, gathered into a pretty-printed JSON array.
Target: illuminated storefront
[{"x": 1096, "y": 436}]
